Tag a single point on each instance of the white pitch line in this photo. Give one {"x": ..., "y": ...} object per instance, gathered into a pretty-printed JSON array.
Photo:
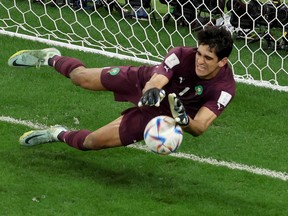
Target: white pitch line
[
  {"x": 21, "y": 122},
  {"x": 230, "y": 165}
]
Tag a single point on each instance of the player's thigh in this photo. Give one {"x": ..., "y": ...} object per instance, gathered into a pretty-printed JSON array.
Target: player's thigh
[
  {"x": 125, "y": 130},
  {"x": 134, "y": 122},
  {"x": 124, "y": 81}
]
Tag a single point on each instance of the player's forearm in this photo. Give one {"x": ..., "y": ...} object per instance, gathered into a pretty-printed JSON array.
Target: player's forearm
[
  {"x": 195, "y": 128},
  {"x": 201, "y": 122},
  {"x": 156, "y": 81}
]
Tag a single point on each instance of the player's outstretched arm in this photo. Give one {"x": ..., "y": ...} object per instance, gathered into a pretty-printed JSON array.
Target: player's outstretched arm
[{"x": 196, "y": 126}]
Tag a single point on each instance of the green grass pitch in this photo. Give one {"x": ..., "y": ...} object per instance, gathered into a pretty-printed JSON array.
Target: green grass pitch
[{"x": 55, "y": 179}]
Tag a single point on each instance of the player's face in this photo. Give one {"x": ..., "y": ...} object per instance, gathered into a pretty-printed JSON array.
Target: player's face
[{"x": 207, "y": 64}]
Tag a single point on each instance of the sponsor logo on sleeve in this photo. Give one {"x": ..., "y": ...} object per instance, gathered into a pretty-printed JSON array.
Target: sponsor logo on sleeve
[
  {"x": 224, "y": 99},
  {"x": 172, "y": 60}
]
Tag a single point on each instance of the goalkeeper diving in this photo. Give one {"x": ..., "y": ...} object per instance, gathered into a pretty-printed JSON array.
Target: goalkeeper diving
[{"x": 192, "y": 85}]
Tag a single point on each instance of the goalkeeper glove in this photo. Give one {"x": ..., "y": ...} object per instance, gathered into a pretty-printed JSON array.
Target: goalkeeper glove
[
  {"x": 152, "y": 97},
  {"x": 178, "y": 110}
]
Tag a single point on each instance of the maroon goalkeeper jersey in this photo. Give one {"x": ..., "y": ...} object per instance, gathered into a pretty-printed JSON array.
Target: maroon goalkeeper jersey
[
  {"x": 179, "y": 67},
  {"x": 127, "y": 83}
]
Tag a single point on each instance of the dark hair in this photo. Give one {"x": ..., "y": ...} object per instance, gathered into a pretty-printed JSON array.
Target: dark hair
[{"x": 218, "y": 38}]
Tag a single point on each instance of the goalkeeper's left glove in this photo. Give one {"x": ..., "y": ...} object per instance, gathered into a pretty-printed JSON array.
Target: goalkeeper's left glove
[
  {"x": 178, "y": 110},
  {"x": 152, "y": 97}
]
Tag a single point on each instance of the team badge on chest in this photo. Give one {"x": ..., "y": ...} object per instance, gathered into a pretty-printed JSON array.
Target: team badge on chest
[{"x": 198, "y": 90}]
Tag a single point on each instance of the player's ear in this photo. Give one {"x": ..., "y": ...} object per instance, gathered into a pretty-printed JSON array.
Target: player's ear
[{"x": 223, "y": 62}]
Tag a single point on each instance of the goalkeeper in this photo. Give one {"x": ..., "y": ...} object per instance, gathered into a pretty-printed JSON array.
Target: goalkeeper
[{"x": 192, "y": 85}]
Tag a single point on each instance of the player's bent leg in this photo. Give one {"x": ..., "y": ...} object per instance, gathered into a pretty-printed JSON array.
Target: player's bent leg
[
  {"x": 105, "y": 137},
  {"x": 88, "y": 78}
]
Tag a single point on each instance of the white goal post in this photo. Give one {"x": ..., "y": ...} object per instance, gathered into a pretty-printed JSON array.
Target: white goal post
[{"x": 144, "y": 32}]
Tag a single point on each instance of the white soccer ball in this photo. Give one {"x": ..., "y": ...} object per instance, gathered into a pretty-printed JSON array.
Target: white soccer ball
[{"x": 162, "y": 135}]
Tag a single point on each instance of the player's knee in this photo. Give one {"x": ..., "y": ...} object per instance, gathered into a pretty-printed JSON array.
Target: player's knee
[
  {"x": 97, "y": 141},
  {"x": 91, "y": 142},
  {"x": 87, "y": 78},
  {"x": 78, "y": 77}
]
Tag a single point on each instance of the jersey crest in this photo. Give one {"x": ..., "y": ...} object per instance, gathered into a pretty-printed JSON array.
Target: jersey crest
[{"x": 198, "y": 90}]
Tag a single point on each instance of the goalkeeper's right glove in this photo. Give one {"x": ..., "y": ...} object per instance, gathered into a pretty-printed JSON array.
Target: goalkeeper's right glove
[
  {"x": 178, "y": 110},
  {"x": 152, "y": 97}
]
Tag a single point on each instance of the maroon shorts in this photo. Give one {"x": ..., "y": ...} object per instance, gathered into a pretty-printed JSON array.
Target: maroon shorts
[
  {"x": 134, "y": 122},
  {"x": 127, "y": 86},
  {"x": 124, "y": 81}
]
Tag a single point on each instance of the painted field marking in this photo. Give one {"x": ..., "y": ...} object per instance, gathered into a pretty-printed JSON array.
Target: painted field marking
[{"x": 230, "y": 165}]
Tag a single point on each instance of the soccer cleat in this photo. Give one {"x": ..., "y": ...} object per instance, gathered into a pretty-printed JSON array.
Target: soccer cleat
[
  {"x": 30, "y": 58},
  {"x": 37, "y": 137}
]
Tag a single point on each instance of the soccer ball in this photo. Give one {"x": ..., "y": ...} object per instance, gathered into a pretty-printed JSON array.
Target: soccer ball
[{"x": 162, "y": 135}]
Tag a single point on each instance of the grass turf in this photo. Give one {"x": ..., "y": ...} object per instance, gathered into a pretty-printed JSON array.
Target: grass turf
[{"x": 58, "y": 180}]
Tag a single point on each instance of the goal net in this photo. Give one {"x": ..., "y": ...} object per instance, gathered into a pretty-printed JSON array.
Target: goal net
[{"x": 144, "y": 31}]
